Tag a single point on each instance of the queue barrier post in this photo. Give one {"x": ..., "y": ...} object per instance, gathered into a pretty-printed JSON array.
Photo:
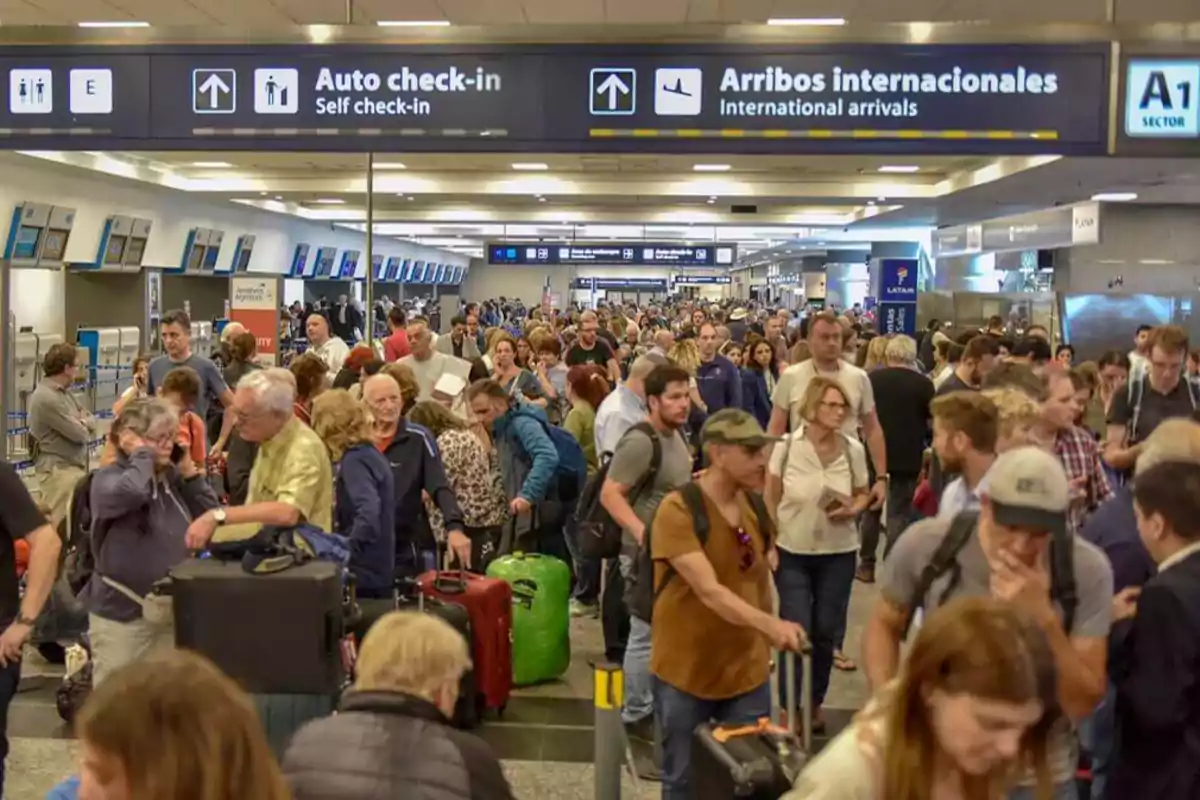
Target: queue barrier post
[{"x": 611, "y": 747}]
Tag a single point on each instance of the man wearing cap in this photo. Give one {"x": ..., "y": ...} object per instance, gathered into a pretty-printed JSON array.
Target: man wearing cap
[
  {"x": 714, "y": 626},
  {"x": 1010, "y": 554}
]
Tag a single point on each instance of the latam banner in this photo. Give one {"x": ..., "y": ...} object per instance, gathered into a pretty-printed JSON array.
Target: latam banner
[
  {"x": 897, "y": 297},
  {"x": 254, "y": 302}
]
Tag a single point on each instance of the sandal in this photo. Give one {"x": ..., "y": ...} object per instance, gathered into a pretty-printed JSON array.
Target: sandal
[{"x": 841, "y": 662}]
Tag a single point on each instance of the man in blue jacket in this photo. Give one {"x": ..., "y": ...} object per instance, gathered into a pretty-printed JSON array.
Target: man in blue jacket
[
  {"x": 416, "y": 468},
  {"x": 528, "y": 456},
  {"x": 719, "y": 381}
]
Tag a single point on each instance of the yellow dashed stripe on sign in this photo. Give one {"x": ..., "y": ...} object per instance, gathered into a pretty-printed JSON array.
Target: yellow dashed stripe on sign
[{"x": 815, "y": 133}]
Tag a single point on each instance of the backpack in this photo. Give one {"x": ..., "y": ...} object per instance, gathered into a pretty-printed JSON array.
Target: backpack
[
  {"x": 79, "y": 563},
  {"x": 571, "y": 473},
  {"x": 945, "y": 559},
  {"x": 1136, "y": 389},
  {"x": 641, "y": 593},
  {"x": 599, "y": 535}
]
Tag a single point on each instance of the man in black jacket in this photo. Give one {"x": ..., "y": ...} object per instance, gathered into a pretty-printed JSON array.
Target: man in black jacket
[
  {"x": 416, "y": 468},
  {"x": 1155, "y": 654},
  {"x": 392, "y": 737}
]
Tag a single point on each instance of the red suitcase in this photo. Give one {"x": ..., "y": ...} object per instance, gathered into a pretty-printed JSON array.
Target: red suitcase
[{"x": 489, "y": 603}]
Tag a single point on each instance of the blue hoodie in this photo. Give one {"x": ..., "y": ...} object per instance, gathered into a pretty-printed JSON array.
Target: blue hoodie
[
  {"x": 528, "y": 457},
  {"x": 720, "y": 384},
  {"x": 365, "y": 511}
]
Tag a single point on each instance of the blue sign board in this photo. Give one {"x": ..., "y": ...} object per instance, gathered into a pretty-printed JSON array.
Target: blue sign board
[
  {"x": 439, "y": 272},
  {"x": 775, "y": 98},
  {"x": 1160, "y": 106},
  {"x": 898, "y": 280},
  {"x": 323, "y": 264},
  {"x": 379, "y": 267},
  {"x": 621, "y": 284},
  {"x": 394, "y": 265},
  {"x": 348, "y": 266},
  {"x": 623, "y": 253},
  {"x": 700, "y": 280},
  {"x": 897, "y": 318},
  {"x": 418, "y": 275},
  {"x": 299, "y": 259}
]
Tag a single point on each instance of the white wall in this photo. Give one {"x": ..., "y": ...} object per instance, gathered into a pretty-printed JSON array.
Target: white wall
[{"x": 37, "y": 294}]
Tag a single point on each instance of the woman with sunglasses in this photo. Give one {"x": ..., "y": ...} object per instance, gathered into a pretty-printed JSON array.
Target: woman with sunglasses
[{"x": 817, "y": 485}]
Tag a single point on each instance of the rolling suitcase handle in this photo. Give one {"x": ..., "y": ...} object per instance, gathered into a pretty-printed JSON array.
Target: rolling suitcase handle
[{"x": 789, "y": 698}]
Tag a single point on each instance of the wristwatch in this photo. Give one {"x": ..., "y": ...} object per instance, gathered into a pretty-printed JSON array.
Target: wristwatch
[
  {"x": 885, "y": 477},
  {"x": 219, "y": 515},
  {"x": 21, "y": 619}
]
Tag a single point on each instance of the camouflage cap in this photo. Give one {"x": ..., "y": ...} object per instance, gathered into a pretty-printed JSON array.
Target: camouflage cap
[{"x": 734, "y": 426}]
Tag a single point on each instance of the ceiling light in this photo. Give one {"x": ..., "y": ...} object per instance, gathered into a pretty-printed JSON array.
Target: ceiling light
[
  {"x": 541, "y": 199},
  {"x": 212, "y": 164},
  {"x": 883, "y": 199},
  {"x": 530, "y": 166},
  {"x": 870, "y": 202},
  {"x": 391, "y": 165},
  {"x": 329, "y": 201},
  {"x": 900, "y": 168},
  {"x": 400, "y": 194},
  {"x": 1115, "y": 197},
  {"x": 279, "y": 197},
  {"x": 827, "y": 22},
  {"x": 114, "y": 24},
  {"x": 414, "y": 23},
  {"x": 711, "y": 167}
]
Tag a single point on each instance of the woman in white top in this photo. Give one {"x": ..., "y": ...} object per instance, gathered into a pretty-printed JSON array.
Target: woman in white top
[
  {"x": 974, "y": 703},
  {"x": 817, "y": 487}
]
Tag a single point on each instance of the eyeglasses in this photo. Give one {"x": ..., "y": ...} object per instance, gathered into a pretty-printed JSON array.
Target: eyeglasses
[{"x": 746, "y": 545}]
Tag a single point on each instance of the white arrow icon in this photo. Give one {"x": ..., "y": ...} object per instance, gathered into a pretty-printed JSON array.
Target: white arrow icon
[
  {"x": 215, "y": 87},
  {"x": 613, "y": 86}
]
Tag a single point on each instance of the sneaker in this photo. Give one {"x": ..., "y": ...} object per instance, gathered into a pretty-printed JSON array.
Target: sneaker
[
  {"x": 579, "y": 609},
  {"x": 865, "y": 573}
]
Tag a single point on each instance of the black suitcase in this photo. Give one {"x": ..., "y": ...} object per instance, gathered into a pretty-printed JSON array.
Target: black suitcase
[
  {"x": 468, "y": 709},
  {"x": 756, "y": 761},
  {"x": 276, "y": 634}
]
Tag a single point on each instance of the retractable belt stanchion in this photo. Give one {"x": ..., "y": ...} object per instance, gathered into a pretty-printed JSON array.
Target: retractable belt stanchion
[{"x": 611, "y": 748}]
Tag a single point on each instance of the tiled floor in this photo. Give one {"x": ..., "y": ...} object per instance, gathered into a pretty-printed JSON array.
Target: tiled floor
[{"x": 544, "y": 738}]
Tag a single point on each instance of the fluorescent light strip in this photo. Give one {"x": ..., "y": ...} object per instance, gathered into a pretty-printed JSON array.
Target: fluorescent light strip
[
  {"x": 1115, "y": 197},
  {"x": 823, "y": 22},
  {"x": 391, "y": 165},
  {"x": 530, "y": 166},
  {"x": 212, "y": 164},
  {"x": 114, "y": 24},
  {"x": 711, "y": 167},
  {"x": 329, "y": 201},
  {"x": 904, "y": 169},
  {"x": 414, "y": 23}
]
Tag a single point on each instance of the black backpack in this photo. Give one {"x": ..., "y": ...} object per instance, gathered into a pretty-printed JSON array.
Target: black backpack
[
  {"x": 599, "y": 535},
  {"x": 80, "y": 559},
  {"x": 945, "y": 560},
  {"x": 641, "y": 593}
]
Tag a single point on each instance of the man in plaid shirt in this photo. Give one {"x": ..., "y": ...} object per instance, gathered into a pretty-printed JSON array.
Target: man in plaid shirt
[{"x": 1076, "y": 448}]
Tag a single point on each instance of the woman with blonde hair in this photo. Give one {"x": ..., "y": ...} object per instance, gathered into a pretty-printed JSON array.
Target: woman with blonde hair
[
  {"x": 173, "y": 726},
  {"x": 364, "y": 500},
  {"x": 1018, "y": 419},
  {"x": 973, "y": 706},
  {"x": 685, "y": 354},
  {"x": 817, "y": 486},
  {"x": 873, "y": 353}
]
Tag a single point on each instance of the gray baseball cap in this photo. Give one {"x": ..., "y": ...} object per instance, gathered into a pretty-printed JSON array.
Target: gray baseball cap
[{"x": 1029, "y": 489}]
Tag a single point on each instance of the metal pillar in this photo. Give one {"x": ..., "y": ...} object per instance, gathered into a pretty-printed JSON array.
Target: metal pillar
[
  {"x": 611, "y": 747},
  {"x": 369, "y": 333}
]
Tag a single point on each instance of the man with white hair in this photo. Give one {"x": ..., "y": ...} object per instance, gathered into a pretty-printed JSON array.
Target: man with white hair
[
  {"x": 664, "y": 340},
  {"x": 902, "y": 397},
  {"x": 427, "y": 363},
  {"x": 291, "y": 481}
]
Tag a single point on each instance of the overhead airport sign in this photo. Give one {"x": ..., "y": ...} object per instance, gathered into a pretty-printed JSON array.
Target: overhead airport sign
[
  {"x": 1160, "y": 106},
  {"x": 623, "y": 253},
  {"x": 1048, "y": 229},
  {"x": 620, "y": 284},
  {"x": 687, "y": 99}
]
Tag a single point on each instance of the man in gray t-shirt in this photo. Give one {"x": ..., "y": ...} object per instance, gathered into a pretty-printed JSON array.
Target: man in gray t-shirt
[
  {"x": 1022, "y": 509},
  {"x": 668, "y": 404},
  {"x": 176, "y": 335}
]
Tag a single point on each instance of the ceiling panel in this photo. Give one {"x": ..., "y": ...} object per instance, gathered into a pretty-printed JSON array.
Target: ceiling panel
[
  {"x": 646, "y": 12},
  {"x": 493, "y": 12},
  {"x": 564, "y": 12},
  {"x": 178, "y": 12}
]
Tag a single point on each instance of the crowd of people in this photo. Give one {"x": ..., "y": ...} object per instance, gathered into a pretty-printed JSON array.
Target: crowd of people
[{"x": 1040, "y": 526}]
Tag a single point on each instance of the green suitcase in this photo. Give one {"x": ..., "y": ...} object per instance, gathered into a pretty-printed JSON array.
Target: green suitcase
[{"x": 541, "y": 627}]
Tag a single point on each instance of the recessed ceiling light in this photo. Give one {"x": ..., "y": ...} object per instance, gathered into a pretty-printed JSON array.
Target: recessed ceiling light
[
  {"x": 400, "y": 194},
  {"x": 391, "y": 165},
  {"x": 541, "y": 199},
  {"x": 212, "y": 164},
  {"x": 1115, "y": 197},
  {"x": 279, "y": 197},
  {"x": 530, "y": 166},
  {"x": 711, "y": 167},
  {"x": 414, "y": 23},
  {"x": 264, "y": 194},
  {"x": 870, "y": 202},
  {"x": 883, "y": 199},
  {"x": 827, "y": 22},
  {"x": 114, "y": 24},
  {"x": 900, "y": 168},
  {"x": 329, "y": 201}
]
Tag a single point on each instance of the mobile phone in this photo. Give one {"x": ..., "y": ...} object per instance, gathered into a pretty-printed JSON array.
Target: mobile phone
[{"x": 177, "y": 453}]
